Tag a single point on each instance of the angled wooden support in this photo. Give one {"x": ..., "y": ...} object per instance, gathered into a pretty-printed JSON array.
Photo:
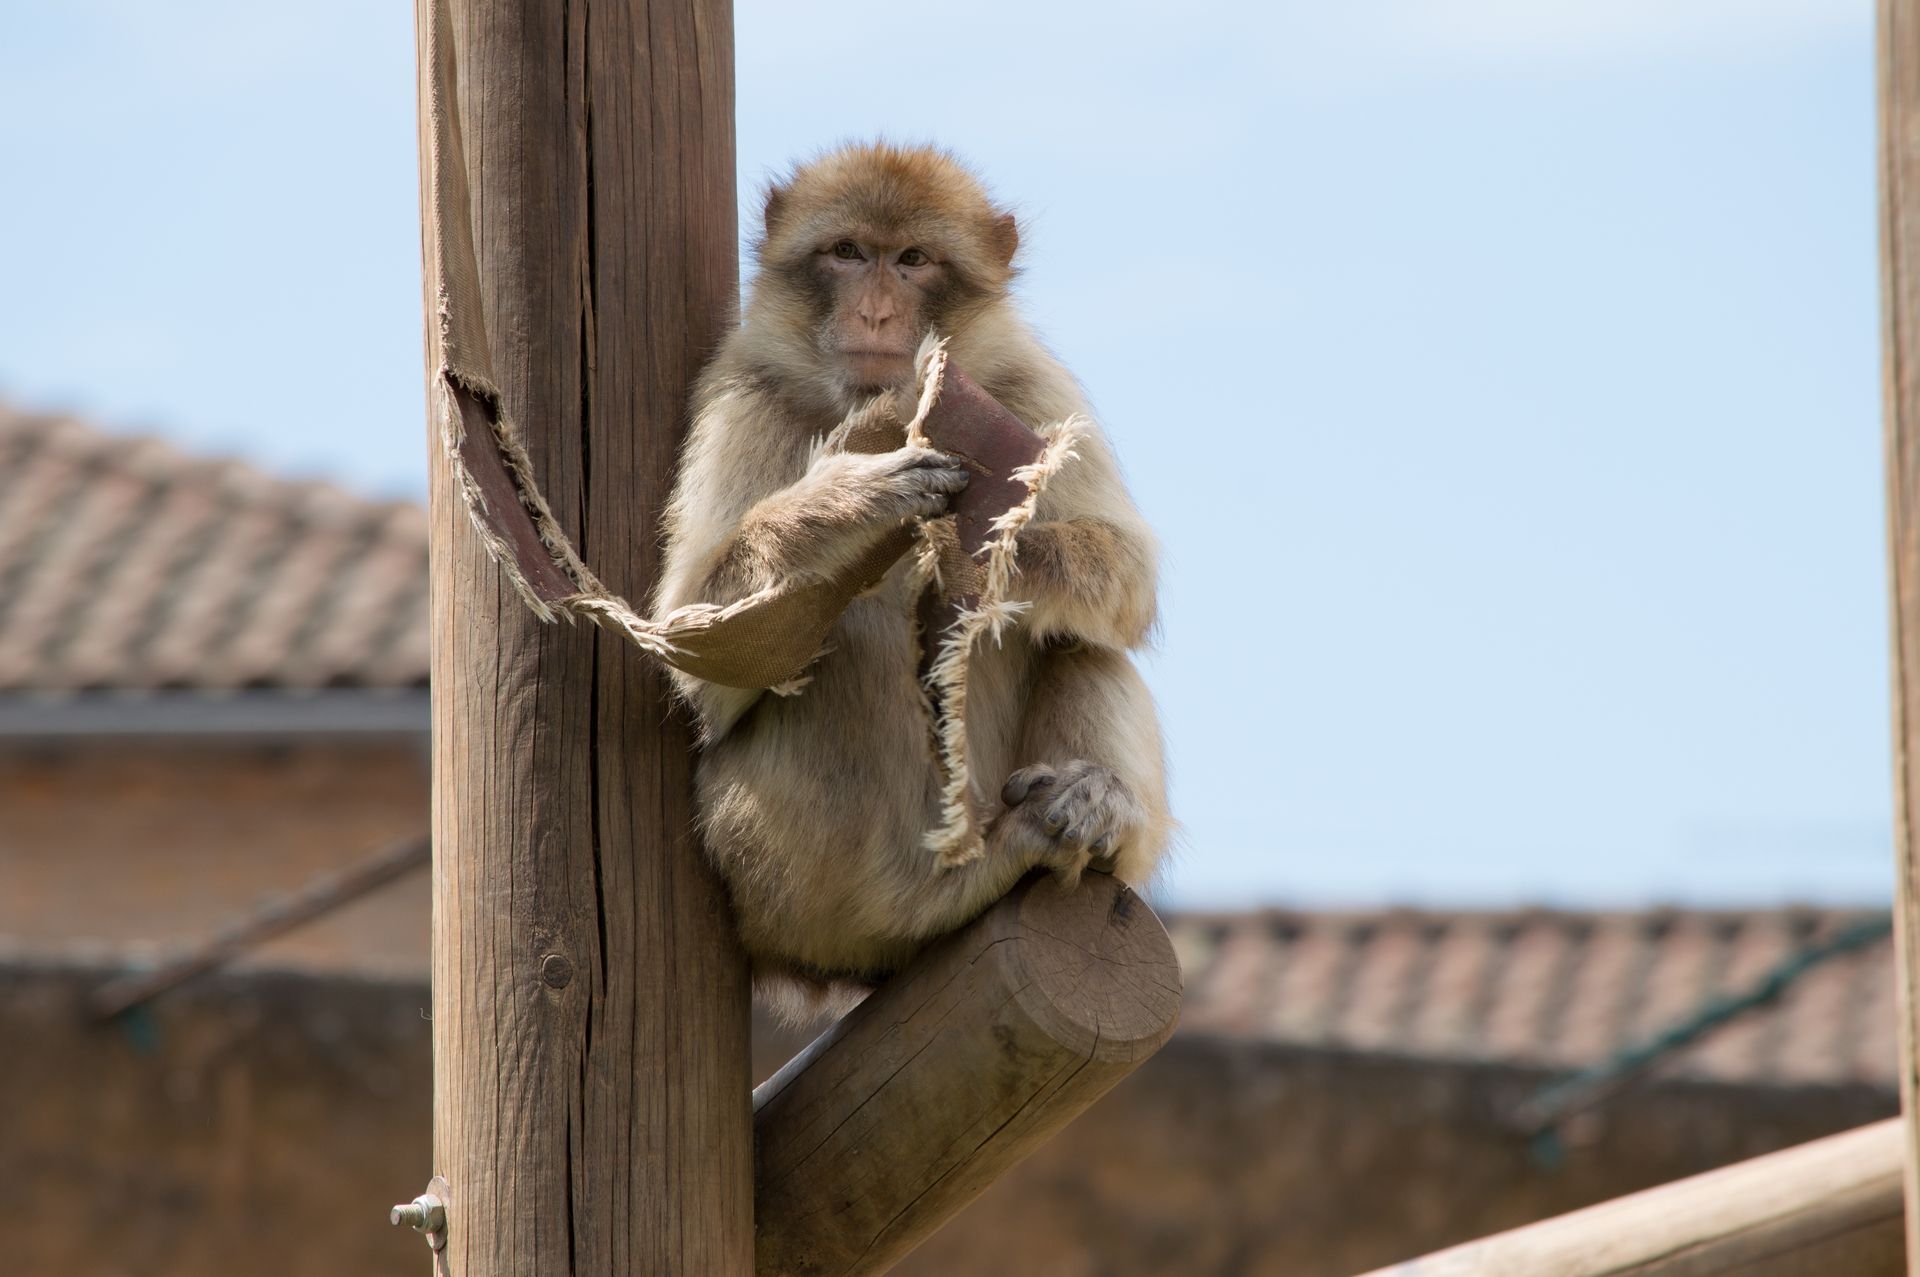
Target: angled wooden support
[
  {"x": 1825, "y": 1209},
  {"x": 990, "y": 1042}
]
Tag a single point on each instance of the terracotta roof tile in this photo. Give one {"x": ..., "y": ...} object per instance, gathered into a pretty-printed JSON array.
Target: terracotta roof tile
[
  {"x": 1307, "y": 990},
  {"x": 1521, "y": 1014},
  {"x": 1464, "y": 963},
  {"x": 1382, "y": 991},
  {"x": 1601, "y": 990},
  {"x": 1552, "y": 989},
  {"x": 1737, "y": 1050},
  {"x": 127, "y": 565}
]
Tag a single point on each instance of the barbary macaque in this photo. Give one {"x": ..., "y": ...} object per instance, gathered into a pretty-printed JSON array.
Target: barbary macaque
[{"x": 816, "y": 805}]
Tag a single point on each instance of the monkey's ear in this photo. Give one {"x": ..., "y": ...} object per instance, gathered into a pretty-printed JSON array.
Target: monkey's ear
[
  {"x": 1004, "y": 235},
  {"x": 776, "y": 205}
]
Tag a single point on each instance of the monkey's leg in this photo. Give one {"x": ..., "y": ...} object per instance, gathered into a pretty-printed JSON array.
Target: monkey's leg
[
  {"x": 1091, "y": 742},
  {"x": 1093, "y": 790}
]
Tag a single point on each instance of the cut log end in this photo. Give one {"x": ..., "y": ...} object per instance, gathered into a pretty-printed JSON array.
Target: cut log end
[
  {"x": 1094, "y": 967},
  {"x": 949, "y": 1075}
]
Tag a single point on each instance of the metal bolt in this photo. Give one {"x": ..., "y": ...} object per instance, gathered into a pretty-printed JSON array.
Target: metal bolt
[{"x": 425, "y": 1214}]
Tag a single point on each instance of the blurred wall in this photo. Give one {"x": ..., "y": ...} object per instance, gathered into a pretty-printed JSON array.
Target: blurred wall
[
  {"x": 264, "y": 1122},
  {"x": 111, "y": 850}
]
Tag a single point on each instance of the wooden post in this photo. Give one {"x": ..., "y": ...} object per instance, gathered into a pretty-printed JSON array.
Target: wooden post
[
  {"x": 959, "y": 1067},
  {"x": 1899, "y": 74},
  {"x": 1824, "y": 1209},
  {"x": 591, "y": 1097}
]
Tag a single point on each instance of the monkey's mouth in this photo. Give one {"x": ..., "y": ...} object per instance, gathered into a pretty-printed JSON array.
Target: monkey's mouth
[{"x": 877, "y": 367}]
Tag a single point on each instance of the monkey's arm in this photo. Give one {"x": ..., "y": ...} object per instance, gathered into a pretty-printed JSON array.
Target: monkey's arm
[
  {"x": 741, "y": 522},
  {"x": 1088, "y": 565}
]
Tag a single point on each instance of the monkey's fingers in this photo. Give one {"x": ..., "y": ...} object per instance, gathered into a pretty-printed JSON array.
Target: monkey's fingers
[
  {"x": 914, "y": 455},
  {"x": 946, "y": 482},
  {"x": 916, "y": 486},
  {"x": 931, "y": 470}
]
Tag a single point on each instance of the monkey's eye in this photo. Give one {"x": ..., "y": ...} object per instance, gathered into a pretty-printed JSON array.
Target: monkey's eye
[
  {"x": 847, "y": 251},
  {"x": 913, "y": 257}
]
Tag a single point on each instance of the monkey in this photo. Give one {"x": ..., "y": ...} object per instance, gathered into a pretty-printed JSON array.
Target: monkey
[{"x": 814, "y": 806}]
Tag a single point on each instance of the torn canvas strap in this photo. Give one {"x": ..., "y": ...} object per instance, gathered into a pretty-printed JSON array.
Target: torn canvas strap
[{"x": 768, "y": 639}]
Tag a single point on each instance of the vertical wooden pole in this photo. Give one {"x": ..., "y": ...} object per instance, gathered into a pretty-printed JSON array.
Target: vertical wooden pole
[
  {"x": 591, "y": 1098},
  {"x": 1899, "y": 109}
]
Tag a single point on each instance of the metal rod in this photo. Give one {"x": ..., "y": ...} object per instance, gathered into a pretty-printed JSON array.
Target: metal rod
[{"x": 275, "y": 917}]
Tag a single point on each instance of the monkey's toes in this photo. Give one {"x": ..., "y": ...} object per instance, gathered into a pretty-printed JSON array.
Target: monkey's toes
[
  {"x": 1073, "y": 816},
  {"x": 1089, "y": 809},
  {"x": 1026, "y": 781}
]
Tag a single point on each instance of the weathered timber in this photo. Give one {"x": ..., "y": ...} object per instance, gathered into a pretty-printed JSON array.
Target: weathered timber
[
  {"x": 275, "y": 917},
  {"x": 591, "y": 1097},
  {"x": 1829, "y": 1207},
  {"x": 955, "y": 1070},
  {"x": 1899, "y": 74}
]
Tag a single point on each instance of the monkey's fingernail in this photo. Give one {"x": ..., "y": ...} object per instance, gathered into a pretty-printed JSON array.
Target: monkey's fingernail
[
  {"x": 1103, "y": 846},
  {"x": 1054, "y": 824}
]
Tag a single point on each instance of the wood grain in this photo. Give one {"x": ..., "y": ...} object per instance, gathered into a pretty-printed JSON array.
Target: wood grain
[
  {"x": 1826, "y": 1208},
  {"x": 1899, "y": 92},
  {"x": 591, "y": 1106},
  {"x": 959, "y": 1067}
]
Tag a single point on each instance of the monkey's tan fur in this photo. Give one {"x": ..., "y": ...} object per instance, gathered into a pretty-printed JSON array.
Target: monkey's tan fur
[{"x": 819, "y": 807}]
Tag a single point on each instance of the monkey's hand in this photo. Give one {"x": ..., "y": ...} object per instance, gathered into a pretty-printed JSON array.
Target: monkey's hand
[
  {"x": 886, "y": 487},
  {"x": 1069, "y": 818},
  {"x": 845, "y": 503}
]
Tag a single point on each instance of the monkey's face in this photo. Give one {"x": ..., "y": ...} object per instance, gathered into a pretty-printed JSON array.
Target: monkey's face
[
  {"x": 867, "y": 249},
  {"x": 880, "y": 300}
]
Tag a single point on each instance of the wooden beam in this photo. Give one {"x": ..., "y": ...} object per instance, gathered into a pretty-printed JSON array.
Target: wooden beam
[
  {"x": 1899, "y": 92},
  {"x": 959, "y": 1067},
  {"x": 1819, "y": 1210},
  {"x": 591, "y": 1088}
]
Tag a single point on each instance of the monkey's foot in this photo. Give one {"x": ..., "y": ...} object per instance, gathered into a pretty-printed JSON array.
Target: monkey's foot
[{"x": 1068, "y": 818}]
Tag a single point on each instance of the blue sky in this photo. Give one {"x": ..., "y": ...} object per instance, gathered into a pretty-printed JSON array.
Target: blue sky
[{"x": 1503, "y": 377}]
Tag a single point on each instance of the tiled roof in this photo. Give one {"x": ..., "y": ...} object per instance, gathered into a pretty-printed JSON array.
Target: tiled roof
[
  {"x": 125, "y": 564},
  {"x": 1558, "y": 990}
]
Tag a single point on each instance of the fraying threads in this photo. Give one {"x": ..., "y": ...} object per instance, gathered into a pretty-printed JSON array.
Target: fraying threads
[
  {"x": 931, "y": 359},
  {"x": 957, "y": 840}
]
